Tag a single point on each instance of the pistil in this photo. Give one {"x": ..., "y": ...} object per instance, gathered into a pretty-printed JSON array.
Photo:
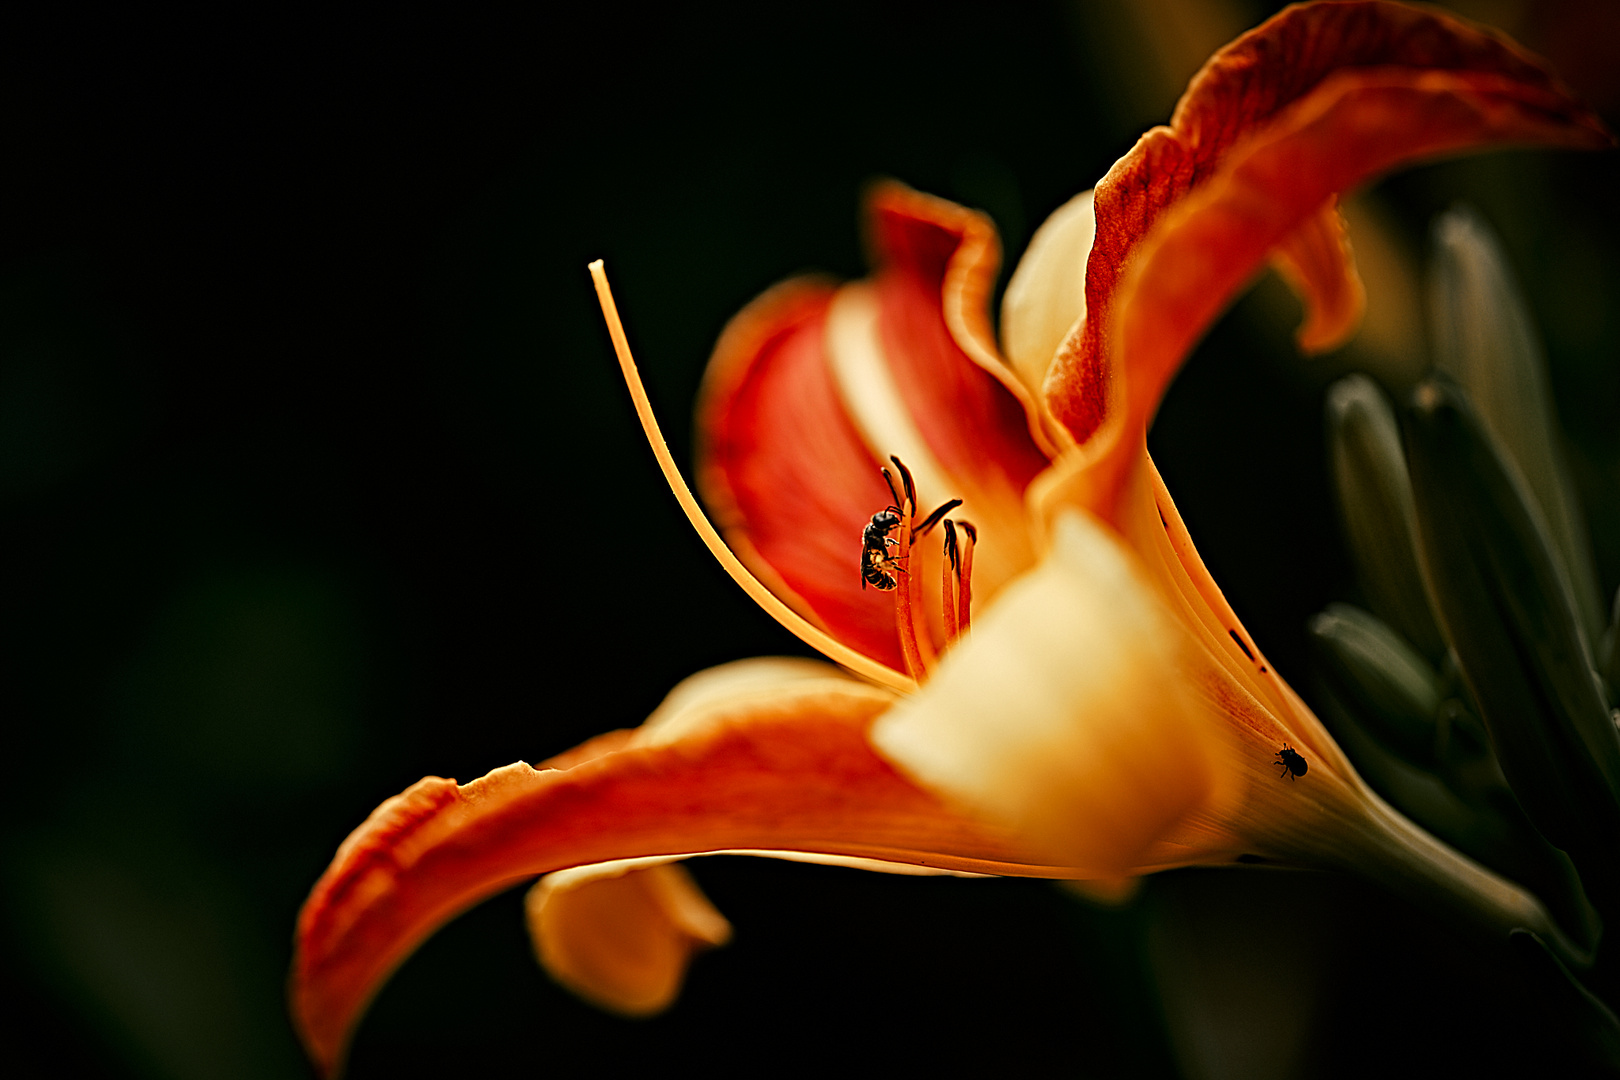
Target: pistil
[{"x": 795, "y": 623}]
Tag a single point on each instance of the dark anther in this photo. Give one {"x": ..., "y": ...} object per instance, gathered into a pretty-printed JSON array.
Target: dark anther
[
  {"x": 950, "y": 546},
  {"x": 933, "y": 519},
  {"x": 905, "y": 477},
  {"x": 888, "y": 478}
]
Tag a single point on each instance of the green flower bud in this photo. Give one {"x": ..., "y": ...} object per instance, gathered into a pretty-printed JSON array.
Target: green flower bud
[
  {"x": 1414, "y": 791},
  {"x": 1375, "y": 503},
  {"x": 1508, "y": 613},
  {"x": 1483, "y": 338},
  {"x": 1389, "y": 685}
]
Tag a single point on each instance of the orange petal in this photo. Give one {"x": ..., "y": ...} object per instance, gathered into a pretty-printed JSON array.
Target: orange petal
[
  {"x": 789, "y": 770},
  {"x": 1466, "y": 87},
  {"x": 620, "y": 935}
]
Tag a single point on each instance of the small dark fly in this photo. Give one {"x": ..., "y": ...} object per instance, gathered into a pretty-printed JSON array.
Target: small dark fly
[{"x": 1293, "y": 763}]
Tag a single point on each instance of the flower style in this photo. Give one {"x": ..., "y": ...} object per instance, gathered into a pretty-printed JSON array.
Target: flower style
[{"x": 1106, "y": 715}]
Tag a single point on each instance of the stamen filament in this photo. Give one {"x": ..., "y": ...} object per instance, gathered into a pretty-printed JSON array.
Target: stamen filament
[
  {"x": 904, "y": 600},
  {"x": 796, "y": 624},
  {"x": 919, "y": 623},
  {"x": 964, "y": 580},
  {"x": 950, "y": 572}
]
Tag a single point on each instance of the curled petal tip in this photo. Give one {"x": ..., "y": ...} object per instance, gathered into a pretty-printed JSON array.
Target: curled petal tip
[
  {"x": 1315, "y": 102},
  {"x": 621, "y": 936}
]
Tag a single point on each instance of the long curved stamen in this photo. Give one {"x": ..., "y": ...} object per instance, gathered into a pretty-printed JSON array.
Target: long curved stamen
[
  {"x": 912, "y": 644},
  {"x": 816, "y": 638},
  {"x": 964, "y": 580},
  {"x": 916, "y": 642},
  {"x": 956, "y": 577}
]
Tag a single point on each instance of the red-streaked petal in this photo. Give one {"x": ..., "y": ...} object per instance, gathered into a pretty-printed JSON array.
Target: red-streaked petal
[
  {"x": 937, "y": 263},
  {"x": 784, "y": 771},
  {"x": 936, "y": 266},
  {"x": 784, "y": 471},
  {"x": 809, "y": 393},
  {"x": 1248, "y": 85}
]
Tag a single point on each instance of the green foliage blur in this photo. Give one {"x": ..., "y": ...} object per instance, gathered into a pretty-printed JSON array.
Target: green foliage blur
[{"x": 316, "y": 477}]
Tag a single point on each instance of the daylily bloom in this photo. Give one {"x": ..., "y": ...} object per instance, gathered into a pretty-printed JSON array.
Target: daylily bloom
[{"x": 1077, "y": 700}]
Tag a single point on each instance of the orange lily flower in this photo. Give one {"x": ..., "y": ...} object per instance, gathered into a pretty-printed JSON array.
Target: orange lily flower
[{"x": 1106, "y": 715}]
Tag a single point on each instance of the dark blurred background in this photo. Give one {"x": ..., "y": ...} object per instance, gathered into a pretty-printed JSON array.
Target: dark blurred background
[{"x": 317, "y": 476}]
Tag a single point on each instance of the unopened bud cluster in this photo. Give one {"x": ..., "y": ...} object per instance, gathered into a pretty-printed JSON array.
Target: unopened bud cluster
[{"x": 1478, "y": 693}]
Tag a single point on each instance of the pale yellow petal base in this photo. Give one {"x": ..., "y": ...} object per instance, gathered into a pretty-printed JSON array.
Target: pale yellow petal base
[
  {"x": 1065, "y": 715},
  {"x": 1046, "y": 295}
]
